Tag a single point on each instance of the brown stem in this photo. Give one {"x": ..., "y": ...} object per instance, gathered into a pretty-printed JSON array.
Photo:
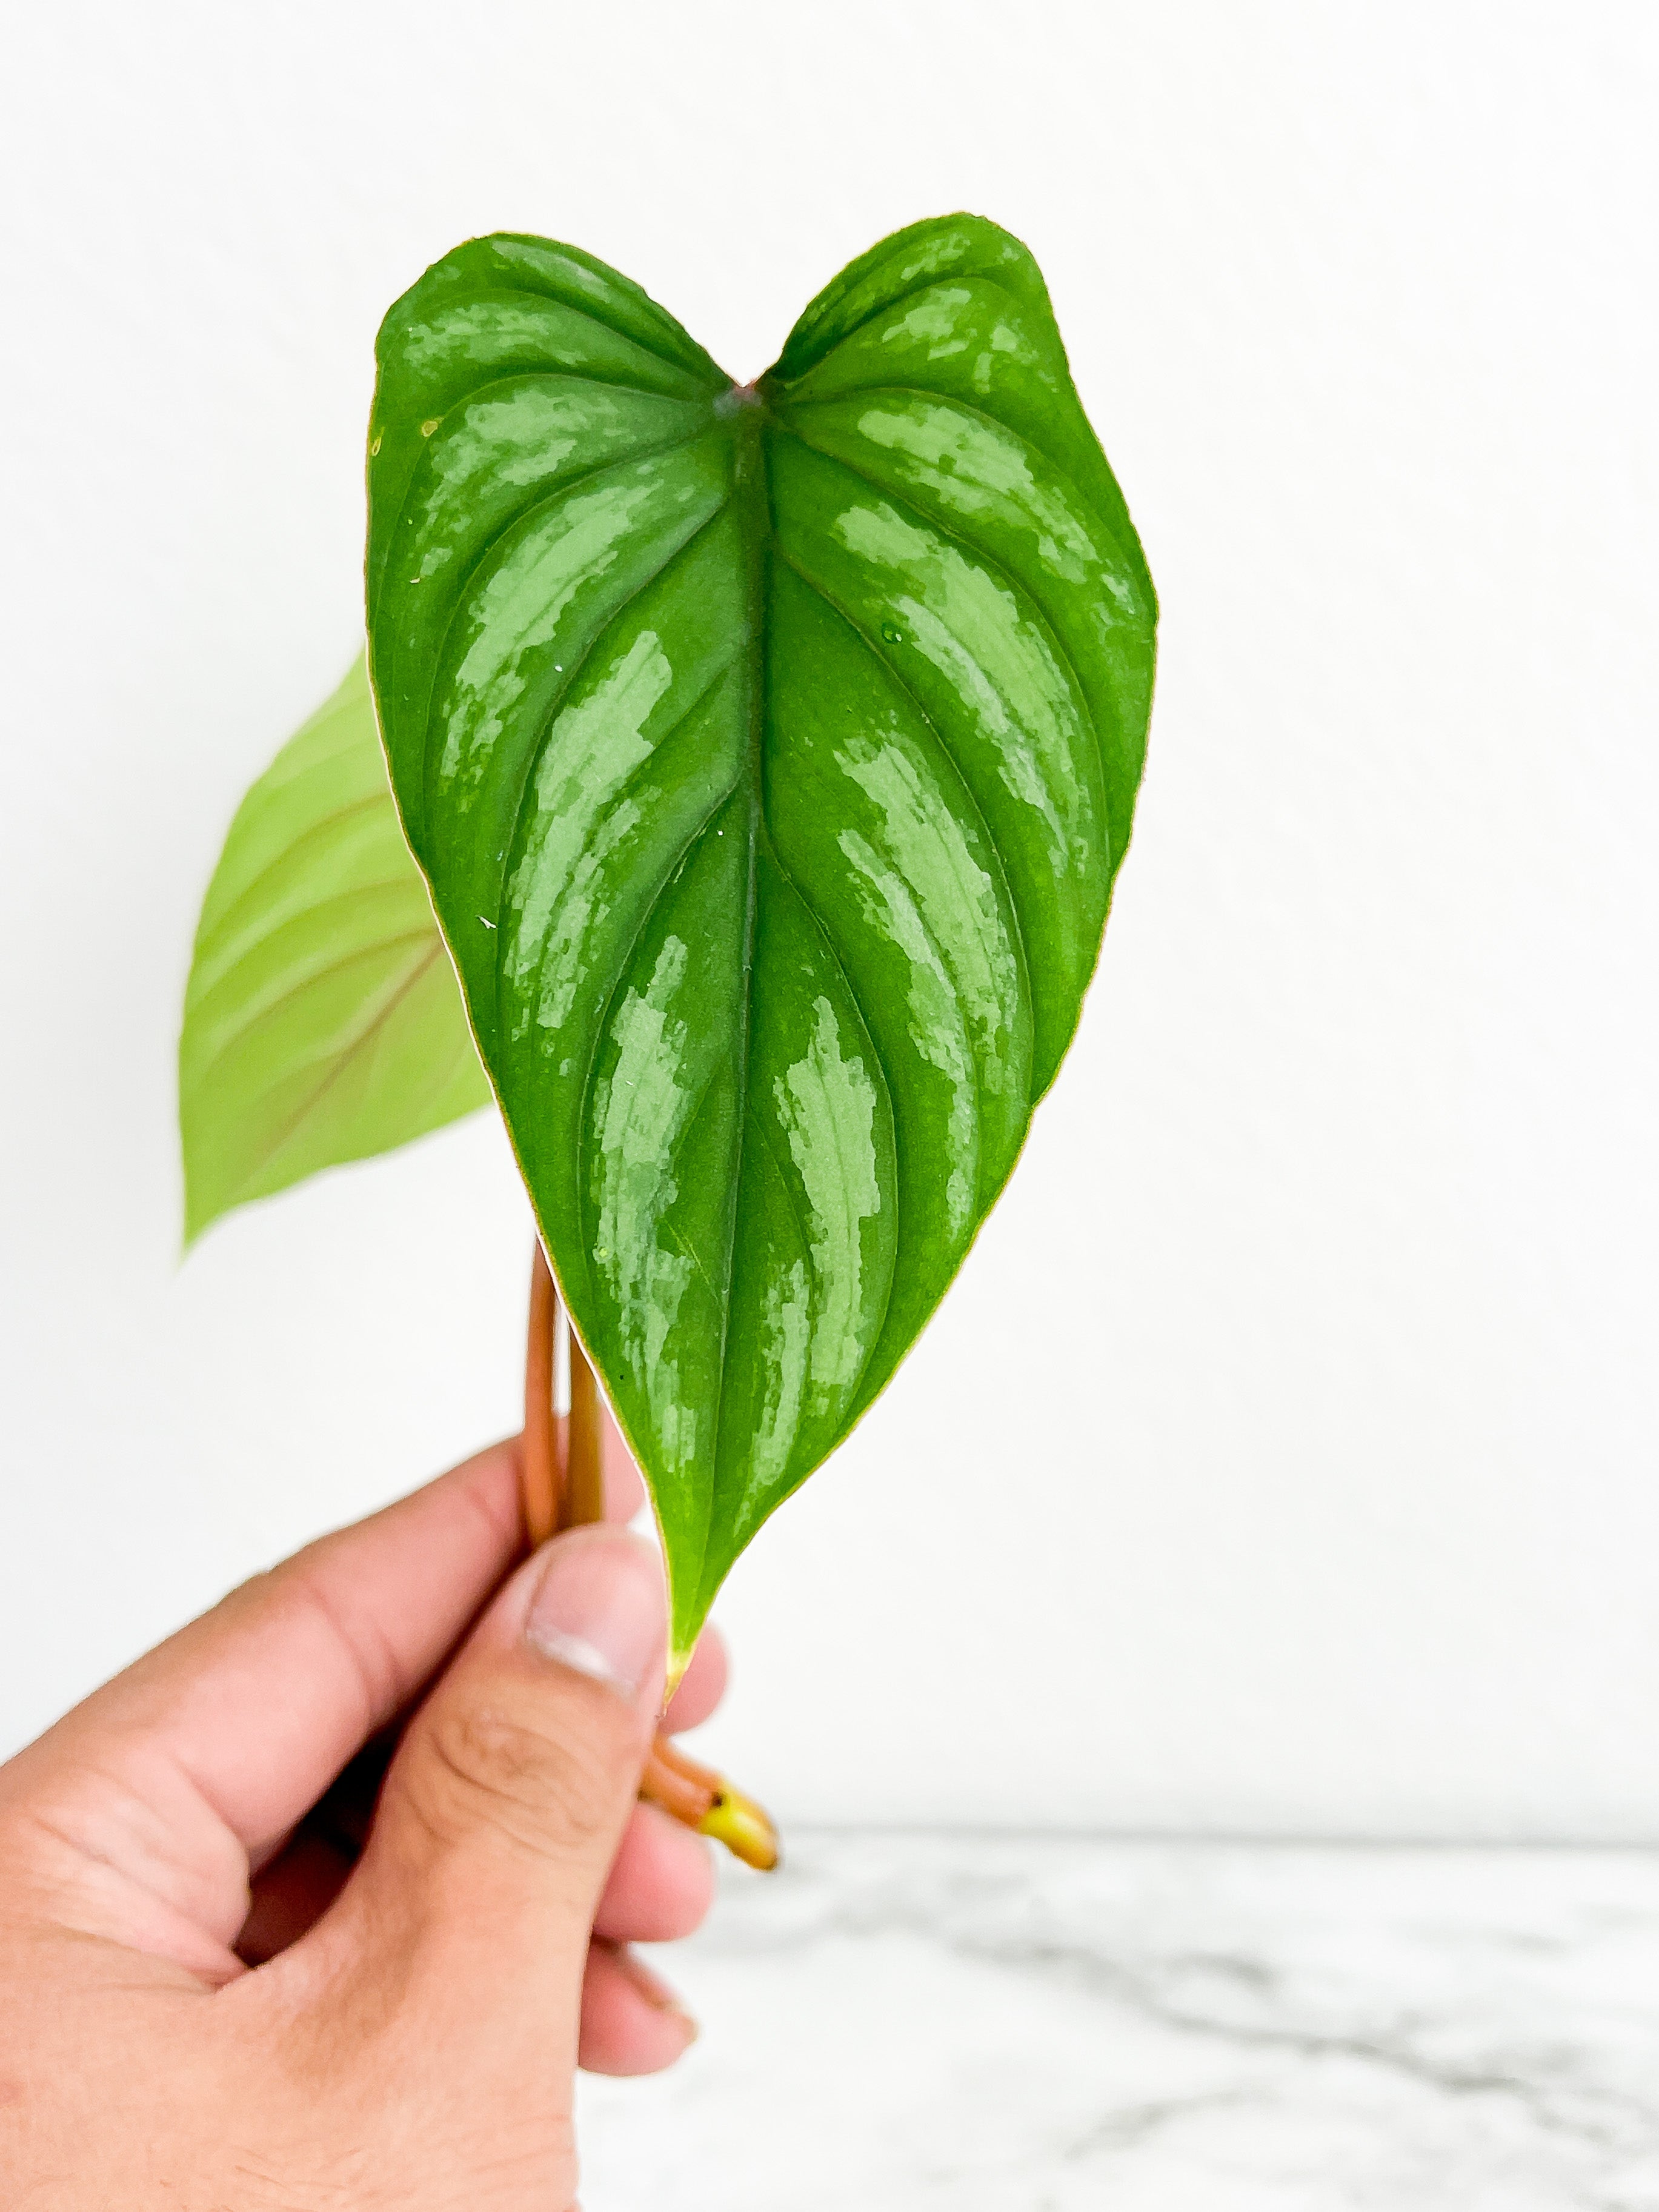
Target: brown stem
[
  {"x": 695, "y": 1794},
  {"x": 689, "y": 1796},
  {"x": 538, "y": 1466},
  {"x": 582, "y": 1499}
]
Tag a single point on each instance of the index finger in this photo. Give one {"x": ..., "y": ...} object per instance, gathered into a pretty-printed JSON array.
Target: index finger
[{"x": 262, "y": 1702}]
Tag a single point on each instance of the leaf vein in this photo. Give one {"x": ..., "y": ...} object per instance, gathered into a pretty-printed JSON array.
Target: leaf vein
[
  {"x": 939, "y": 738},
  {"x": 601, "y": 1027},
  {"x": 1090, "y": 507},
  {"x": 307, "y": 837},
  {"x": 887, "y": 1083},
  {"x": 911, "y": 292},
  {"x": 652, "y": 450},
  {"x": 317, "y": 975},
  {"x": 543, "y": 736},
  {"x": 583, "y": 304},
  {"x": 342, "y": 1061},
  {"x": 961, "y": 537}
]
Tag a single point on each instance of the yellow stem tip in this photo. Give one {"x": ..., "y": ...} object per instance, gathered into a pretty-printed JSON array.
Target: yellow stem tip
[{"x": 742, "y": 1826}]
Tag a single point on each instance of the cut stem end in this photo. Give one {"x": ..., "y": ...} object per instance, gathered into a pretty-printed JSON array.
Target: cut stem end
[{"x": 746, "y": 1828}]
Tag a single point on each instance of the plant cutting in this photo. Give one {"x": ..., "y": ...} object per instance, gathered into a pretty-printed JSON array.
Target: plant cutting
[{"x": 733, "y": 791}]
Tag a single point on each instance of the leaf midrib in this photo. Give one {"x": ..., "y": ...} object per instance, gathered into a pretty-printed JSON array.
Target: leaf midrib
[{"x": 751, "y": 486}]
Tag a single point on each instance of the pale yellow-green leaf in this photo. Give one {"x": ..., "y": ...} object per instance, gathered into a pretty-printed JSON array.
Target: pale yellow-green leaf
[{"x": 323, "y": 1022}]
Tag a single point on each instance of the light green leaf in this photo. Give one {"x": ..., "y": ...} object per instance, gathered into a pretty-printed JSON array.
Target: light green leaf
[
  {"x": 770, "y": 752},
  {"x": 322, "y": 1019}
]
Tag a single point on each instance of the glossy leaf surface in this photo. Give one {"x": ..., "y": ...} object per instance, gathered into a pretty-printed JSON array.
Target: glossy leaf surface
[
  {"x": 770, "y": 752},
  {"x": 322, "y": 1020}
]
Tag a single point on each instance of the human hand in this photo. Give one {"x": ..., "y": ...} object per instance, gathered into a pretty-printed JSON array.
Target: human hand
[{"x": 209, "y": 2001}]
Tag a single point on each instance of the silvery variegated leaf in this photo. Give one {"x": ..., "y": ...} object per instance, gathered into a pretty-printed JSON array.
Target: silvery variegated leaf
[{"x": 770, "y": 752}]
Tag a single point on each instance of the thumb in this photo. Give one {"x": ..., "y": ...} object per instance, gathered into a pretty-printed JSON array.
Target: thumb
[{"x": 507, "y": 1802}]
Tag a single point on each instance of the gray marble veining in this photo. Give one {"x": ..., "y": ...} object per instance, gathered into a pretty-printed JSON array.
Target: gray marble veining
[{"x": 951, "y": 2023}]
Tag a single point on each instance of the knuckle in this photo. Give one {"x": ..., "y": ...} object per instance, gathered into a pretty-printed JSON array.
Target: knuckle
[{"x": 487, "y": 1767}]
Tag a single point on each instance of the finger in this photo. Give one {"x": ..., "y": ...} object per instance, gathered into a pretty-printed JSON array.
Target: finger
[
  {"x": 624, "y": 1492},
  {"x": 701, "y": 1686},
  {"x": 505, "y": 1805},
  {"x": 305, "y": 1871},
  {"x": 345, "y": 1811},
  {"x": 661, "y": 1885},
  {"x": 631, "y": 2022},
  {"x": 259, "y": 1704},
  {"x": 659, "y": 1888},
  {"x": 292, "y": 1895}
]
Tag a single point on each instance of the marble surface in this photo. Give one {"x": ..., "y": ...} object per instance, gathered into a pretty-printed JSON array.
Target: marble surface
[{"x": 948, "y": 2023}]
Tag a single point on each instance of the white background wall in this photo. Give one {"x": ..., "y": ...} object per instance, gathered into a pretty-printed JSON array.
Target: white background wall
[{"x": 1285, "y": 1460}]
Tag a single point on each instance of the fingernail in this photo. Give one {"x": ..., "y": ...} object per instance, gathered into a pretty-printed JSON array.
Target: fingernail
[
  {"x": 657, "y": 1993},
  {"x": 598, "y": 1608}
]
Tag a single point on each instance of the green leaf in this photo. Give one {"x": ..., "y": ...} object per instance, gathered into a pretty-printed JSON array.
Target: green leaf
[
  {"x": 322, "y": 1019},
  {"x": 770, "y": 752}
]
